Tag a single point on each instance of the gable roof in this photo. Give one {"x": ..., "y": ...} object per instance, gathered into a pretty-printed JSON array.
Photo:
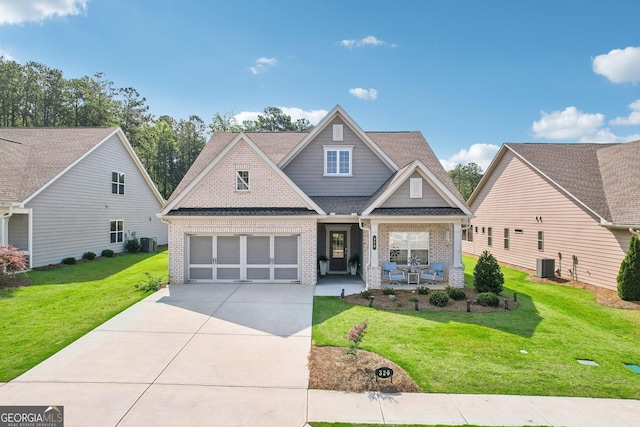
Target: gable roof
[
  {"x": 215, "y": 153},
  {"x": 32, "y": 158},
  {"x": 600, "y": 177},
  {"x": 338, "y": 112}
]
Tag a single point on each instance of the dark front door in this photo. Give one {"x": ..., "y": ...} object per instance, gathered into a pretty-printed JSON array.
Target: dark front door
[{"x": 338, "y": 251}]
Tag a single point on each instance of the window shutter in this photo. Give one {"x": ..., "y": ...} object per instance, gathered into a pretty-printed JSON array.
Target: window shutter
[{"x": 415, "y": 188}]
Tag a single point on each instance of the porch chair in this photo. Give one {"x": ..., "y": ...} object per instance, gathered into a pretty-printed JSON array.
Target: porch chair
[
  {"x": 433, "y": 274},
  {"x": 390, "y": 272}
]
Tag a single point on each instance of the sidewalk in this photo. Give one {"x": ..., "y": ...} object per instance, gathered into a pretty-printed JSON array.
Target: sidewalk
[{"x": 461, "y": 409}]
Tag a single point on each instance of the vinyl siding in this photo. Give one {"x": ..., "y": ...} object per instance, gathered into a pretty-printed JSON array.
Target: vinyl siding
[
  {"x": 514, "y": 196},
  {"x": 400, "y": 198},
  {"x": 307, "y": 168},
  {"x": 72, "y": 216}
]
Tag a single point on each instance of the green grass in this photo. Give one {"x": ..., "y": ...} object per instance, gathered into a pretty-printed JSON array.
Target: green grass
[
  {"x": 64, "y": 304},
  {"x": 322, "y": 424},
  {"x": 449, "y": 352}
]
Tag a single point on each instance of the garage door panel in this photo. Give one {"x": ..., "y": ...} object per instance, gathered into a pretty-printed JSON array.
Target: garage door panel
[
  {"x": 286, "y": 273},
  {"x": 259, "y": 273},
  {"x": 285, "y": 249},
  {"x": 228, "y": 273},
  {"x": 258, "y": 249},
  {"x": 201, "y": 249},
  {"x": 228, "y": 250},
  {"x": 196, "y": 273}
]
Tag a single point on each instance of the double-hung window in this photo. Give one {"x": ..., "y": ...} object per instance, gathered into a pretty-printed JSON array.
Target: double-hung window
[
  {"x": 338, "y": 160},
  {"x": 403, "y": 246},
  {"x": 506, "y": 238},
  {"x": 117, "y": 231},
  {"x": 117, "y": 183}
]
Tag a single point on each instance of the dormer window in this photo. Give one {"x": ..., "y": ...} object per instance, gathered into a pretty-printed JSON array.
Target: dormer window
[{"x": 337, "y": 160}]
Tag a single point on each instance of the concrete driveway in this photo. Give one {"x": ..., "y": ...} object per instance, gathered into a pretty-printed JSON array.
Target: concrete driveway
[{"x": 223, "y": 354}]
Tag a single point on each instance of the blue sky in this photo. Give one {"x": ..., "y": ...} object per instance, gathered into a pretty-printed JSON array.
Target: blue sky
[{"x": 469, "y": 75}]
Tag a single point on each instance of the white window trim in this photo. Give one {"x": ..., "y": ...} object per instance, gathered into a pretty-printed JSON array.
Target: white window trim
[
  {"x": 118, "y": 183},
  {"x": 415, "y": 188},
  {"x": 338, "y": 149},
  {"x": 246, "y": 183},
  {"x": 410, "y": 249},
  {"x": 121, "y": 232}
]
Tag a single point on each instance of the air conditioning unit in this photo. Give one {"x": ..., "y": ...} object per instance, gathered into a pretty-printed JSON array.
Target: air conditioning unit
[{"x": 545, "y": 267}]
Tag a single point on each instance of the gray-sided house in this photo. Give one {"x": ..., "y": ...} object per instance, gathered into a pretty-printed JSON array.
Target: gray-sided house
[
  {"x": 264, "y": 206},
  {"x": 67, "y": 191},
  {"x": 574, "y": 204}
]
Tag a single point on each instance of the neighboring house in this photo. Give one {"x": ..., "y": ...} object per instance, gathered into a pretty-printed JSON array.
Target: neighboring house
[
  {"x": 574, "y": 203},
  {"x": 264, "y": 206},
  {"x": 67, "y": 191}
]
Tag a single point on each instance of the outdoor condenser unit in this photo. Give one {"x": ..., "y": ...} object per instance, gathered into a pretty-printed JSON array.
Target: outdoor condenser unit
[{"x": 545, "y": 267}]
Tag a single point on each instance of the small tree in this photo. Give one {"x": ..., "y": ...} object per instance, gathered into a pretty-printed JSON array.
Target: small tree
[
  {"x": 629, "y": 274},
  {"x": 487, "y": 276},
  {"x": 11, "y": 259},
  {"x": 356, "y": 334}
]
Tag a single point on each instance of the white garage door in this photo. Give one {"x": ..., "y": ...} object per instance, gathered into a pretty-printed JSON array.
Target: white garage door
[{"x": 229, "y": 258}]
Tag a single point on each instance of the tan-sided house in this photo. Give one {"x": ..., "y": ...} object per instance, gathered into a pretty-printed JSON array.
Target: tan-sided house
[
  {"x": 67, "y": 191},
  {"x": 576, "y": 204},
  {"x": 264, "y": 206}
]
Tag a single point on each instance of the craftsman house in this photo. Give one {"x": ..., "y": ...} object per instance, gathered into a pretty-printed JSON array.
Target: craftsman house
[
  {"x": 573, "y": 204},
  {"x": 67, "y": 191},
  {"x": 265, "y": 206}
]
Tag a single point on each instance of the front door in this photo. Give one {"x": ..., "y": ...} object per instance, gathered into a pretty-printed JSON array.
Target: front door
[{"x": 338, "y": 251}]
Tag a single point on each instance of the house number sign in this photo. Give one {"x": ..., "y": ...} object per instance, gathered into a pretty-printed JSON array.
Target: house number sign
[{"x": 384, "y": 372}]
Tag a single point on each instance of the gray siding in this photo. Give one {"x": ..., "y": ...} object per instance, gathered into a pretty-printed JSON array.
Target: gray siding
[
  {"x": 400, "y": 198},
  {"x": 19, "y": 231},
  {"x": 513, "y": 197},
  {"x": 72, "y": 216},
  {"x": 307, "y": 168}
]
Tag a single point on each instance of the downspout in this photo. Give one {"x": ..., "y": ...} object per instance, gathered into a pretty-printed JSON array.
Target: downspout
[
  {"x": 5, "y": 215},
  {"x": 366, "y": 284}
]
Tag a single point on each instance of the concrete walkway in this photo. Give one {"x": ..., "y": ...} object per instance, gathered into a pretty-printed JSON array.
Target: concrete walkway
[{"x": 236, "y": 355}]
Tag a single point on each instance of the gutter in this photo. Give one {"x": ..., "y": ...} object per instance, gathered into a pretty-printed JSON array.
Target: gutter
[{"x": 366, "y": 284}]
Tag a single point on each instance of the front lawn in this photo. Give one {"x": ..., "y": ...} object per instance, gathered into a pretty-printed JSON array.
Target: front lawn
[
  {"x": 528, "y": 351},
  {"x": 65, "y": 303}
]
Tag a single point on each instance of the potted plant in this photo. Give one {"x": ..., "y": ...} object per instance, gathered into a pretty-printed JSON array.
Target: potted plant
[
  {"x": 353, "y": 264},
  {"x": 324, "y": 262}
]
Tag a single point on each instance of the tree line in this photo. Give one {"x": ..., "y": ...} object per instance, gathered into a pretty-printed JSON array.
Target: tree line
[{"x": 35, "y": 95}]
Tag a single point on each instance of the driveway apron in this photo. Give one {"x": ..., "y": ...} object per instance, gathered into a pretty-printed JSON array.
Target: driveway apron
[{"x": 194, "y": 354}]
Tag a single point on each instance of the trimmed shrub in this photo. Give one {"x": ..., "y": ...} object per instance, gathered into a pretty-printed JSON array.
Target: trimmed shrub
[
  {"x": 108, "y": 253},
  {"x": 422, "y": 290},
  {"x": 439, "y": 298},
  {"x": 413, "y": 298},
  {"x": 89, "y": 256},
  {"x": 488, "y": 299},
  {"x": 487, "y": 276},
  {"x": 456, "y": 293},
  {"x": 388, "y": 291},
  {"x": 69, "y": 261},
  {"x": 365, "y": 294},
  {"x": 133, "y": 245},
  {"x": 629, "y": 274}
]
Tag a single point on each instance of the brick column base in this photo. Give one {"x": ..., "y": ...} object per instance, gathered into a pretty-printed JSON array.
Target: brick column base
[
  {"x": 456, "y": 277},
  {"x": 374, "y": 274}
]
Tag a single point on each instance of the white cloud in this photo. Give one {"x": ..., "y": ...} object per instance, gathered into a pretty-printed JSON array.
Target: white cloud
[
  {"x": 480, "y": 154},
  {"x": 263, "y": 64},
  {"x": 364, "y": 94},
  {"x": 619, "y": 65},
  {"x": 366, "y": 41},
  {"x": 314, "y": 116},
  {"x": 634, "y": 116},
  {"x": 19, "y": 11},
  {"x": 570, "y": 123}
]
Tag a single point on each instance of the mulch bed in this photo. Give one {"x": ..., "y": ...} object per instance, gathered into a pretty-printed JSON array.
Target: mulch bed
[
  {"x": 402, "y": 303},
  {"x": 17, "y": 281},
  {"x": 331, "y": 368}
]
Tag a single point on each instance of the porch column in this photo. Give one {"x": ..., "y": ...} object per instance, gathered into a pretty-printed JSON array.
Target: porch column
[
  {"x": 457, "y": 245},
  {"x": 4, "y": 224},
  {"x": 374, "y": 275},
  {"x": 375, "y": 244}
]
